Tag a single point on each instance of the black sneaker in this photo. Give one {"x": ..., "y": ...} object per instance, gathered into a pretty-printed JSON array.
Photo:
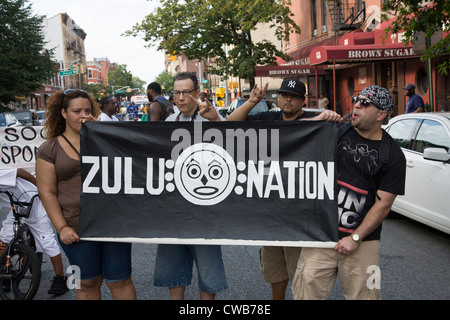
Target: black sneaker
[{"x": 59, "y": 285}]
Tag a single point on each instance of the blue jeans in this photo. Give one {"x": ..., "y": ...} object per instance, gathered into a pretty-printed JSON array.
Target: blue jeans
[
  {"x": 173, "y": 267},
  {"x": 112, "y": 260}
]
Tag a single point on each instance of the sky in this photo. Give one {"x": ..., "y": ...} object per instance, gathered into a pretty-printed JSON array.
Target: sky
[{"x": 104, "y": 21}]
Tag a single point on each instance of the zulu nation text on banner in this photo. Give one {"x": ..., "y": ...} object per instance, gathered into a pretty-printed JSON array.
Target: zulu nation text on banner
[{"x": 249, "y": 183}]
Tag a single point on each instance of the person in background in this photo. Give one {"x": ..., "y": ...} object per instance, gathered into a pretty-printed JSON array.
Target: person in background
[
  {"x": 415, "y": 102},
  {"x": 132, "y": 110},
  {"x": 323, "y": 101},
  {"x": 58, "y": 175},
  {"x": 145, "y": 111},
  {"x": 204, "y": 97},
  {"x": 23, "y": 185},
  {"x": 172, "y": 101},
  {"x": 108, "y": 106},
  {"x": 160, "y": 108}
]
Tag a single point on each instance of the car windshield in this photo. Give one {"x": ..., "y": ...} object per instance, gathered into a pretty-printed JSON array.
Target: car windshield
[
  {"x": 260, "y": 107},
  {"x": 24, "y": 117},
  {"x": 40, "y": 114}
]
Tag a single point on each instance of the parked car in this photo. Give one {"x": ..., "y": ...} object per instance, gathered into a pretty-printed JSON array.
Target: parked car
[
  {"x": 260, "y": 107},
  {"x": 223, "y": 111},
  {"x": 27, "y": 117},
  {"x": 425, "y": 141},
  {"x": 41, "y": 116},
  {"x": 7, "y": 119}
]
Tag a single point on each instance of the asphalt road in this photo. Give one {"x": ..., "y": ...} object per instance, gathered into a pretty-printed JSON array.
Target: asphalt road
[{"x": 414, "y": 266}]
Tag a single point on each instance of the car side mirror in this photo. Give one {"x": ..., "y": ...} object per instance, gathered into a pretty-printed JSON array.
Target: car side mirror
[{"x": 436, "y": 154}]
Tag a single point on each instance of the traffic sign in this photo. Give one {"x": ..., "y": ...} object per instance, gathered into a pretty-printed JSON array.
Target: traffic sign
[
  {"x": 69, "y": 72},
  {"x": 66, "y": 73}
]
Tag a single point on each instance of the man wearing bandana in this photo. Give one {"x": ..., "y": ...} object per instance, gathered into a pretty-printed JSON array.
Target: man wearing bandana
[{"x": 370, "y": 174}]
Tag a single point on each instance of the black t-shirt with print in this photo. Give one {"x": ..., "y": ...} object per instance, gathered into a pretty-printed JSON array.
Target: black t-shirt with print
[{"x": 357, "y": 158}]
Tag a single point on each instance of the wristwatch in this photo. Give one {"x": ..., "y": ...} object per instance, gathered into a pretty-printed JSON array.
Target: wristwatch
[{"x": 355, "y": 237}]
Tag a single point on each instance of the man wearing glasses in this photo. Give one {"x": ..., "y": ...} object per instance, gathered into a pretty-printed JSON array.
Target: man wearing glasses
[
  {"x": 370, "y": 174},
  {"x": 174, "y": 263},
  {"x": 186, "y": 93}
]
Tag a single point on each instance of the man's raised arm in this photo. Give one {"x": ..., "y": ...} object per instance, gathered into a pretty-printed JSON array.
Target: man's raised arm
[{"x": 256, "y": 95}]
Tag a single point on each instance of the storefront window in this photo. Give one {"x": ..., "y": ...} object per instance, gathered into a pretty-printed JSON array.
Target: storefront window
[{"x": 422, "y": 81}]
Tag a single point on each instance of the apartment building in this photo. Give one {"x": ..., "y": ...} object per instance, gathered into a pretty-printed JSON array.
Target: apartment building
[{"x": 344, "y": 48}]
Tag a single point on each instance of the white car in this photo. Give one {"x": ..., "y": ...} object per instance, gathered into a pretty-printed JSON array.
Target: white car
[
  {"x": 8, "y": 119},
  {"x": 425, "y": 141}
]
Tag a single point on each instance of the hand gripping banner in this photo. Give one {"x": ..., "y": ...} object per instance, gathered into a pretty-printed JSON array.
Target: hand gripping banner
[{"x": 236, "y": 183}]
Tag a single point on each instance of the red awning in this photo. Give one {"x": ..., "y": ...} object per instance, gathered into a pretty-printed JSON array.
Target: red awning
[
  {"x": 299, "y": 65},
  {"x": 361, "y": 53},
  {"x": 300, "y": 57},
  {"x": 357, "y": 37}
]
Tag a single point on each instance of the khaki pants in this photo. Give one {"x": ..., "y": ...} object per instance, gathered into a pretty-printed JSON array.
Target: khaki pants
[
  {"x": 278, "y": 264},
  {"x": 317, "y": 270}
]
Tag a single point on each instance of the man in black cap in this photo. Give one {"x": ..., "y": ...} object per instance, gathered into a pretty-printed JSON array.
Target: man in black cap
[
  {"x": 415, "y": 102},
  {"x": 278, "y": 264},
  {"x": 291, "y": 99}
]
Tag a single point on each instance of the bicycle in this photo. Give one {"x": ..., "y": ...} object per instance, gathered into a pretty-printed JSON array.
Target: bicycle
[{"x": 20, "y": 264}]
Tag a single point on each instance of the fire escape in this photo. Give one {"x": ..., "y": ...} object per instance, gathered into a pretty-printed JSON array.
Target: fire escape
[{"x": 346, "y": 15}]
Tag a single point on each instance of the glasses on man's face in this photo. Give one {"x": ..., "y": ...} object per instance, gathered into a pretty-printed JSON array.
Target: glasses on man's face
[
  {"x": 364, "y": 102},
  {"x": 185, "y": 93}
]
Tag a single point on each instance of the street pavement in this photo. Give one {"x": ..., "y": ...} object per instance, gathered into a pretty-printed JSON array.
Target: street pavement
[{"x": 414, "y": 264}]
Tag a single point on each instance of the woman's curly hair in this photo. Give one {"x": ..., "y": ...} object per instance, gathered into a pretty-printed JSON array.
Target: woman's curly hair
[{"x": 55, "y": 124}]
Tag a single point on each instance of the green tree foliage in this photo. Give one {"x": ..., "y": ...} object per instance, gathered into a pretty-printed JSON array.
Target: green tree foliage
[
  {"x": 201, "y": 28},
  {"x": 120, "y": 76},
  {"x": 97, "y": 89},
  {"x": 413, "y": 17},
  {"x": 24, "y": 62},
  {"x": 165, "y": 79}
]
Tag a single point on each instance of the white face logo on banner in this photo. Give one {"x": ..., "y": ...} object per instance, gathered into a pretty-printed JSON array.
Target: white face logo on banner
[{"x": 205, "y": 174}]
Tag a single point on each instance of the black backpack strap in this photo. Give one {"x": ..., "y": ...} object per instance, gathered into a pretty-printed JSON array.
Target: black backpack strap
[{"x": 166, "y": 107}]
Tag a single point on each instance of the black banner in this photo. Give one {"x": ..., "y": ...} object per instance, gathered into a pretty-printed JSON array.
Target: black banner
[{"x": 249, "y": 183}]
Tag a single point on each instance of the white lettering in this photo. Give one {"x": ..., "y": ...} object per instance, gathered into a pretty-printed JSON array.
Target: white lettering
[
  {"x": 255, "y": 178},
  {"x": 374, "y": 280},
  {"x": 117, "y": 176},
  {"x": 128, "y": 177},
  {"x": 74, "y": 280},
  {"x": 274, "y": 173},
  {"x": 151, "y": 190},
  {"x": 91, "y": 174}
]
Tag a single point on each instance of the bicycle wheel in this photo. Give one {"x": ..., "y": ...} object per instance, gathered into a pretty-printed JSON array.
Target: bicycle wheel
[{"x": 22, "y": 282}]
